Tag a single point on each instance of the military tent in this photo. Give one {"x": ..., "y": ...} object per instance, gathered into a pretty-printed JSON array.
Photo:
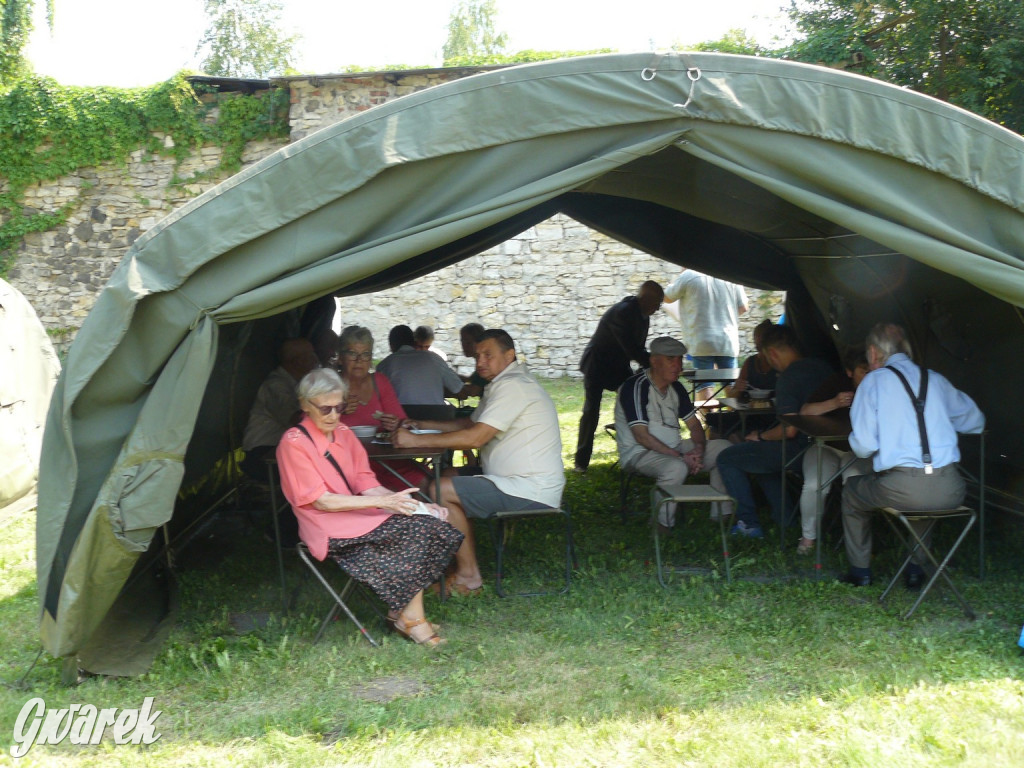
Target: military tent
[{"x": 863, "y": 200}]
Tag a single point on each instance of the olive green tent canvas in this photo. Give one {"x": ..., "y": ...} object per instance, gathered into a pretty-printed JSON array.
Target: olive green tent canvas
[{"x": 863, "y": 200}]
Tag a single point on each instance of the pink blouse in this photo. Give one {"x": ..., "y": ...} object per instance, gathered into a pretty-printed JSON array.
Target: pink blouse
[
  {"x": 306, "y": 475},
  {"x": 384, "y": 400}
]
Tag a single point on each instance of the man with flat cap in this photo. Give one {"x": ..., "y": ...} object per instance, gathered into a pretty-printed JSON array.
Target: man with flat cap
[
  {"x": 648, "y": 409},
  {"x": 621, "y": 336}
]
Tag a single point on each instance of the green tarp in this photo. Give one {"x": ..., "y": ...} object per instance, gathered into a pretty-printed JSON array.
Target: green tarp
[{"x": 863, "y": 200}]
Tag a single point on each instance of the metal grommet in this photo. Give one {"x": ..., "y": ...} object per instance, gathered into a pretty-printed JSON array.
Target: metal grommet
[
  {"x": 690, "y": 74},
  {"x": 648, "y": 74}
]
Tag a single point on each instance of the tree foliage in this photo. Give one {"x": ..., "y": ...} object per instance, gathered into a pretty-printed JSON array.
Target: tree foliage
[
  {"x": 243, "y": 39},
  {"x": 48, "y": 130},
  {"x": 519, "y": 57},
  {"x": 734, "y": 41},
  {"x": 471, "y": 32},
  {"x": 967, "y": 52},
  {"x": 15, "y": 28}
]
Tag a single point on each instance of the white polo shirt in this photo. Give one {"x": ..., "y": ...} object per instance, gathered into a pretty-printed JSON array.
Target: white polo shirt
[{"x": 525, "y": 458}]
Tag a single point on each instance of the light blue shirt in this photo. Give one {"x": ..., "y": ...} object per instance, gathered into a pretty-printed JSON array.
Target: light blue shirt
[{"x": 885, "y": 423}]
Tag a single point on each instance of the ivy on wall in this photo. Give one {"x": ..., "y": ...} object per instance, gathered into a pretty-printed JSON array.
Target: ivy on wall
[{"x": 49, "y": 130}]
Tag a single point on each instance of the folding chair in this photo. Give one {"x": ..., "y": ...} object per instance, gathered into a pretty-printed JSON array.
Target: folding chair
[
  {"x": 625, "y": 479},
  {"x": 339, "y": 597},
  {"x": 278, "y": 506},
  {"x": 898, "y": 518},
  {"x": 685, "y": 494},
  {"x": 502, "y": 519}
]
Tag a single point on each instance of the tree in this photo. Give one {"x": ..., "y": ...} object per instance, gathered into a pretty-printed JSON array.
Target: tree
[
  {"x": 734, "y": 41},
  {"x": 243, "y": 39},
  {"x": 15, "y": 27},
  {"x": 471, "y": 32},
  {"x": 967, "y": 52}
]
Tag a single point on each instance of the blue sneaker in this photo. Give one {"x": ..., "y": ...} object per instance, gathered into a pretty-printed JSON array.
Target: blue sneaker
[{"x": 744, "y": 529}]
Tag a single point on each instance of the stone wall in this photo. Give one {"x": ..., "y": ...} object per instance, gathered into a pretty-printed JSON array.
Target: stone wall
[
  {"x": 320, "y": 101},
  {"x": 548, "y": 286},
  {"x": 62, "y": 270}
]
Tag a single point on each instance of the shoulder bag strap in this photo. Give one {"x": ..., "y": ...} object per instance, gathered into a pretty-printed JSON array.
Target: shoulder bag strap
[
  {"x": 918, "y": 402},
  {"x": 330, "y": 458}
]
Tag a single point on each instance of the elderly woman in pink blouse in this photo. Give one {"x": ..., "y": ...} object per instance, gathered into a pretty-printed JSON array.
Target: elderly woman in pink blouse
[{"x": 385, "y": 539}]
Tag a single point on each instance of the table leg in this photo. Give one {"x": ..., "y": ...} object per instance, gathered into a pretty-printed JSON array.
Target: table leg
[{"x": 441, "y": 584}]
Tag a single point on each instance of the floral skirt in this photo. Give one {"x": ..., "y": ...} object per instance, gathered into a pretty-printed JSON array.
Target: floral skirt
[{"x": 399, "y": 557}]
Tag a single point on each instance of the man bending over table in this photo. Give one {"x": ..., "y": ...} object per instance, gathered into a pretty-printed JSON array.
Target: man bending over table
[{"x": 515, "y": 429}]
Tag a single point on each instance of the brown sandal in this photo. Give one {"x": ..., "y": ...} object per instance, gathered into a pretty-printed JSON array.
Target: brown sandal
[
  {"x": 408, "y": 628},
  {"x": 393, "y": 617}
]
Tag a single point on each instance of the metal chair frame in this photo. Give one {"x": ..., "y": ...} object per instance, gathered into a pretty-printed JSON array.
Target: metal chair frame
[
  {"x": 626, "y": 477},
  {"x": 685, "y": 494},
  {"x": 351, "y": 586},
  {"x": 504, "y": 518},
  {"x": 898, "y": 518}
]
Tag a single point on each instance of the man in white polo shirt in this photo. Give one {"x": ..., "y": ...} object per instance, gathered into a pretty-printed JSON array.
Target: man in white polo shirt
[{"x": 515, "y": 428}]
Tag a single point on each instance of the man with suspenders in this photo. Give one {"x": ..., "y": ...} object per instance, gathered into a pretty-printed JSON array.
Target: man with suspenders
[{"x": 906, "y": 418}]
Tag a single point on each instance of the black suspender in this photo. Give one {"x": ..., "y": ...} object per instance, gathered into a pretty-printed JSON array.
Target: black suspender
[
  {"x": 918, "y": 401},
  {"x": 330, "y": 458}
]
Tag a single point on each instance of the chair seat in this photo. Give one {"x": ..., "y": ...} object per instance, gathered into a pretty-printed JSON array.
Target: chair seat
[
  {"x": 694, "y": 493},
  {"x": 926, "y": 513},
  {"x": 511, "y": 513}
]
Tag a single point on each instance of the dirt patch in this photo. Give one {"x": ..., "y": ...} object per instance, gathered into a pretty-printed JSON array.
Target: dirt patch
[
  {"x": 385, "y": 689},
  {"x": 244, "y": 623}
]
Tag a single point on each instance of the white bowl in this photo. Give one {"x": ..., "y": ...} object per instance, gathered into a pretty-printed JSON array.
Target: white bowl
[
  {"x": 759, "y": 394},
  {"x": 364, "y": 431}
]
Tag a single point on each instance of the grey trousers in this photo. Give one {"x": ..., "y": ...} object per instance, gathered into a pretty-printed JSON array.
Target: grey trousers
[
  {"x": 906, "y": 488},
  {"x": 671, "y": 470}
]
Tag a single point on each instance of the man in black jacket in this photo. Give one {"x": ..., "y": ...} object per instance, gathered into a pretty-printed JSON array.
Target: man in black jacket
[{"x": 621, "y": 336}]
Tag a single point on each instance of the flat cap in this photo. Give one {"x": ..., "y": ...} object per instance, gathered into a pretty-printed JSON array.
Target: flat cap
[{"x": 666, "y": 345}]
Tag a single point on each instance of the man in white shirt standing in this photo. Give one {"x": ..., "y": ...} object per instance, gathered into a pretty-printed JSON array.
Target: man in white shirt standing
[
  {"x": 515, "y": 428},
  {"x": 708, "y": 311},
  {"x": 914, "y": 459}
]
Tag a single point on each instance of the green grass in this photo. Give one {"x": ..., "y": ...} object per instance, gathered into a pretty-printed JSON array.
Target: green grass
[{"x": 776, "y": 669}]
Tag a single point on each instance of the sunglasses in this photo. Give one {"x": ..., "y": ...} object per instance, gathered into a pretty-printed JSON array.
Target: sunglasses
[
  {"x": 352, "y": 355},
  {"x": 325, "y": 410}
]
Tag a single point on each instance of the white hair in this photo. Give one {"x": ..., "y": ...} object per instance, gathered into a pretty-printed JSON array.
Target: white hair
[
  {"x": 320, "y": 381},
  {"x": 888, "y": 339}
]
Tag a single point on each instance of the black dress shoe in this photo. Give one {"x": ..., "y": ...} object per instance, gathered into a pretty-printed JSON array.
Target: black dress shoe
[
  {"x": 913, "y": 580},
  {"x": 855, "y": 580}
]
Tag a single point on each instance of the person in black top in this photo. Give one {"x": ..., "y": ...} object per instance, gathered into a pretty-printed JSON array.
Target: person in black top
[
  {"x": 621, "y": 336},
  {"x": 762, "y": 452}
]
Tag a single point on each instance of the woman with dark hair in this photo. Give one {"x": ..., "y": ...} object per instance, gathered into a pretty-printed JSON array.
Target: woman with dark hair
[
  {"x": 392, "y": 543},
  {"x": 756, "y": 373}
]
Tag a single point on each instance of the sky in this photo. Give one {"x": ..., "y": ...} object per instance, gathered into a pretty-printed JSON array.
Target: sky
[{"x": 130, "y": 43}]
